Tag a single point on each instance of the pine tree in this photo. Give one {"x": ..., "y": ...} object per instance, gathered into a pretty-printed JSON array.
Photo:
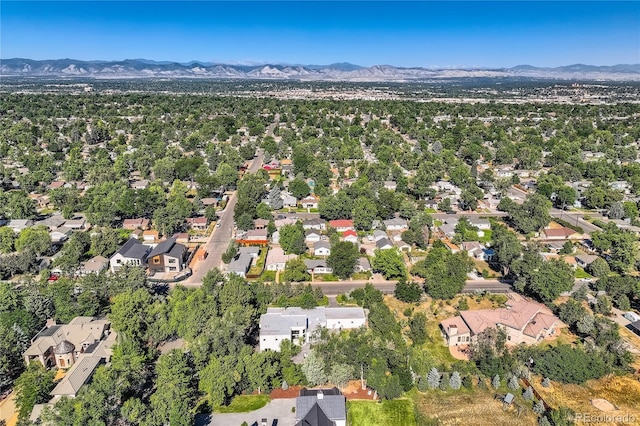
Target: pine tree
[
  {"x": 423, "y": 385},
  {"x": 528, "y": 394},
  {"x": 444, "y": 382},
  {"x": 433, "y": 379},
  {"x": 455, "y": 381},
  {"x": 544, "y": 422},
  {"x": 467, "y": 382},
  {"x": 538, "y": 408},
  {"x": 513, "y": 383},
  {"x": 546, "y": 382},
  {"x": 496, "y": 381}
]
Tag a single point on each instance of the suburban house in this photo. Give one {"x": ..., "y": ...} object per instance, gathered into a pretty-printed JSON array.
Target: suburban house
[
  {"x": 277, "y": 259},
  {"x": 562, "y": 233},
  {"x": 341, "y": 225},
  {"x": 363, "y": 265},
  {"x": 297, "y": 324},
  {"x": 350, "y": 236},
  {"x": 93, "y": 266},
  {"x": 384, "y": 244},
  {"x": 480, "y": 223},
  {"x": 448, "y": 230},
  {"x": 321, "y": 407},
  {"x": 310, "y": 202},
  {"x": 260, "y": 224},
  {"x": 477, "y": 251},
  {"x": 523, "y": 321},
  {"x": 396, "y": 224},
  {"x": 133, "y": 252},
  {"x": 322, "y": 248},
  {"x": 150, "y": 235},
  {"x": 584, "y": 260},
  {"x": 77, "y": 223},
  {"x": 289, "y": 200},
  {"x": 19, "y": 224},
  {"x": 431, "y": 204},
  {"x": 257, "y": 235},
  {"x": 168, "y": 256},
  {"x": 52, "y": 222},
  {"x": 138, "y": 223},
  {"x": 60, "y": 345},
  {"x": 317, "y": 224},
  {"x": 60, "y": 234},
  {"x": 197, "y": 223},
  {"x": 402, "y": 246},
  {"x": 317, "y": 266},
  {"x": 240, "y": 264},
  {"x": 378, "y": 235},
  {"x": 312, "y": 236}
]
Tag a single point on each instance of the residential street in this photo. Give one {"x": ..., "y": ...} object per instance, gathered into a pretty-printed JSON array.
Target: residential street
[{"x": 219, "y": 240}]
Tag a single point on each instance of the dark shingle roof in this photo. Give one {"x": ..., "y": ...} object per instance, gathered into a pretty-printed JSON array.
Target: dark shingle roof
[
  {"x": 133, "y": 249},
  {"x": 163, "y": 247}
]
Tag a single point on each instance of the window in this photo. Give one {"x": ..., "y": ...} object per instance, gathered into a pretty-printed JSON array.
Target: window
[
  {"x": 156, "y": 260},
  {"x": 172, "y": 260},
  {"x": 172, "y": 269},
  {"x": 119, "y": 261}
]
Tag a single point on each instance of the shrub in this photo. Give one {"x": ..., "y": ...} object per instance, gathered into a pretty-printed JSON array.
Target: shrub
[
  {"x": 496, "y": 381},
  {"x": 513, "y": 383}
]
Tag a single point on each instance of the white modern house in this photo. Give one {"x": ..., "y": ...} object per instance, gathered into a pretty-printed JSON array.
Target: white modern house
[{"x": 296, "y": 324}]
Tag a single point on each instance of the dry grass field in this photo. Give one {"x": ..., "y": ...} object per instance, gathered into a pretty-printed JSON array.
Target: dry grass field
[{"x": 464, "y": 408}]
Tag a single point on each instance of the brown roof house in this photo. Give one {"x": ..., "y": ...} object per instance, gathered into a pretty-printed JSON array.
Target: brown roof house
[
  {"x": 523, "y": 321},
  {"x": 60, "y": 345},
  {"x": 563, "y": 233},
  {"x": 137, "y": 223}
]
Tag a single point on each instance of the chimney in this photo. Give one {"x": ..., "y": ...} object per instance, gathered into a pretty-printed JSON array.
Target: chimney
[
  {"x": 320, "y": 395},
  {"x": 50, "y": 322},
  {"x": 453, "y": 329}
]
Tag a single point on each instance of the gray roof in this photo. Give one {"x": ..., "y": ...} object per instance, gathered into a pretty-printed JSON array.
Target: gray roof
[
  {"x": 333, "y": 406},
  {"x": 321, "y": 244},
  {"x": 383, "y": 242},
  {"x": 79, "y": 374},
  {"x": 164, "y": 247},
  {"x": 249, "y": 250},
  {"x": 312, "y": 264},
  {"x": 133, "y": 249},
  {"x": 64, "y": 347},
  {"x": 395, "y": 221},
  {"x": 240, "y": 264},
  {"x": 277, "y": 324}
]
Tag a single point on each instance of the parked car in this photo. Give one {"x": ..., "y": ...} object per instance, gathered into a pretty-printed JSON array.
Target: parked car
[{"x": 631, "y": 316}]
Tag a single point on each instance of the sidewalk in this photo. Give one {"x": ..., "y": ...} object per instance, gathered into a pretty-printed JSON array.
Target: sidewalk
[{"x": 8, "y": 410}]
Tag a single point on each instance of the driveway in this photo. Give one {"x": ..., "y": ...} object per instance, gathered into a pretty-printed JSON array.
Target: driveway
[{"x": 279, "y": 409}]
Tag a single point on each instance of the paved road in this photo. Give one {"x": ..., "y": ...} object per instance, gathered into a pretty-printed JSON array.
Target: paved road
[
  {"x": 574, "y": 219},
  {"x": 219, "y": 240},
  {"x": 443, "y": 216},
  {"x": 279, "y": 409}
]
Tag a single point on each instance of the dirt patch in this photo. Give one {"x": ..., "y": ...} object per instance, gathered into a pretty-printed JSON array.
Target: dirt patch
[
  {"x": 603, "y": 405},
  {"x": 354, "y": 391},
  {"x": 291, "y": 392}
]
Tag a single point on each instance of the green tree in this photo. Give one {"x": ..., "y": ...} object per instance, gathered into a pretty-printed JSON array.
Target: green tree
[
  {"x": 7, "y": 239},
  {"x": 389, "y": 263},
  {"x": 33, "y": 387},
  {"x": 292, "y": 239},
  {"x": 313, "y": 369},
  {"x": 599, "y": 268},
  {"x": 363, "y": 214},
  {"x": 418, "y": 329},
  {"x": 299, "y": 188},
  {"x": 444, "y": 273},
  {"x": 408, "y": 291},
  {"x": 35, "y": 239},
  {"x": 295, "y": 270},
  {"x": 172, "y": 401},
  {"x": 343, "y": 258},
  {"x": 506, "y": 246}
]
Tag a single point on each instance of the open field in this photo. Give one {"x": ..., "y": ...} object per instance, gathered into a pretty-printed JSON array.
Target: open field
[
  {"x": 468, "y": 407},
  {"x": 623, "y": 392},
  {"x": 387, "y": 413},
  {"x": 245, "y": 404}
]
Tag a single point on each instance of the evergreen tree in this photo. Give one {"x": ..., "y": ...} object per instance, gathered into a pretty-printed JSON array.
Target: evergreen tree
[
  {"x": 513, "y": 383},
  {"x": 496, "y": 381},
  {"x": 455, "y": 381},
  {"x": 538, "y": 408},
  {"x": 433, "y": 379},
  {"x": 528, "y": 394},
  {"x": 546, "y": 382}
]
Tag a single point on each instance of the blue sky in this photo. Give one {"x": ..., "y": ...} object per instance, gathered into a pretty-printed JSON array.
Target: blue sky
[{"x": 453, "y": 33}]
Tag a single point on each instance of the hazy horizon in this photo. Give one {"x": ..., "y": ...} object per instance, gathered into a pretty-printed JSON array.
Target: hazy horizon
[{"x": 404, "y": 34}]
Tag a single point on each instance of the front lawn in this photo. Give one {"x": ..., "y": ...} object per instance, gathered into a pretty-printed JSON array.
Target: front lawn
[
  {"x": 244, "y": 404},
  {"x": 389, "y": 413},
  {"x": 581, "y": 273}
]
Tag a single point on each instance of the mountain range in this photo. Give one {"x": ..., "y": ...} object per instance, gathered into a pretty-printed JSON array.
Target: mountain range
[{"x": 142, "y": 68}]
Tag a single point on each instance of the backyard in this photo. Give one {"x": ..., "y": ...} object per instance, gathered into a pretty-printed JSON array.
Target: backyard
[{"x": 398, "y": 412}]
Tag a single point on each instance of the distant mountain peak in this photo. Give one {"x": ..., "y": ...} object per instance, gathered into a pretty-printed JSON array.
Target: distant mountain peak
[{"x": 341, "y": 71}]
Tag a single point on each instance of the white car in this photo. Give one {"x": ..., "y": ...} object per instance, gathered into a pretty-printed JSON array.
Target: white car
[{"x": 218, "y": 225}]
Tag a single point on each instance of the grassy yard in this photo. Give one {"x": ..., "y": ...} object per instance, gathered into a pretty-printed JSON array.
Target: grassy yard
[
  {"x": 388, "y": 413},
  {"x": 258, "y": 267},
  {"x": 244, "y": 404},
  {"x": 581, "y": 273}
]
